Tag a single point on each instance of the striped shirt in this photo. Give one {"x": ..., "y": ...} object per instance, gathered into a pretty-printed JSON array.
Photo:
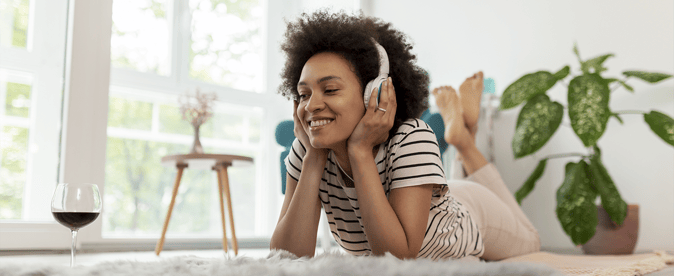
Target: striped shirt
[{"x": 411, "y": 157}]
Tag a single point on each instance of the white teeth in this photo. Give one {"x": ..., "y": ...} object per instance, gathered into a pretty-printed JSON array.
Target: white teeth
[{"x": 320, "y": 123}]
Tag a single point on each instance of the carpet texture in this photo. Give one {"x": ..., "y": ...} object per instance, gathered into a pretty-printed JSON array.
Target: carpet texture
[
  {"x": 285, "y": 263},
  {"x": 601, "y": 265}
]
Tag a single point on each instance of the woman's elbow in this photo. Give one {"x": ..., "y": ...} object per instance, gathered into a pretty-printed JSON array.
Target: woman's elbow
[
  {"x": 405, "y": 255},
  {"x": 295, "y": 251}
]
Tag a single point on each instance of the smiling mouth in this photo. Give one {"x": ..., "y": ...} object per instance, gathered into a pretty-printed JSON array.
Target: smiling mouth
[{"x": 316, "y": 125}]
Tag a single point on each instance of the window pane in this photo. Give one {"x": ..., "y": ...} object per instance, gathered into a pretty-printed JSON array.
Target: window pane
[
  {"x": 17, "y": 102},
  {"x": 14, "y": 148},
  {"x": 226, "y": 43},
  {"x": 254, "y": 129},
  {"x": 224, "y": 126},
  {"x": 130, "y": 114},
  {"x": 31, "y": 97},
  {"x": 14, "y": 15},
  {"x": 171, "y": 121},
  {"x": 138, "y": 188},
  {"x": 141, "y": 36},
  {"x": 242, "y": 188}
]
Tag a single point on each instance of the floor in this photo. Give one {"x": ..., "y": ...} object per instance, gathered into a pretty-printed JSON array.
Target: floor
[
  {"x": 94, "y": 258},
  {"x": 88, "y": 259}
]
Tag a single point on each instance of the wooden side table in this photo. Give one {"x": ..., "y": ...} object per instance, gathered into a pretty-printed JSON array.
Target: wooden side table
[{"x": 216, "y": 162}]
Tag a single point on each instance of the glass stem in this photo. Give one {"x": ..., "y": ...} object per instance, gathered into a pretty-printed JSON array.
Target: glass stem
[{"x": 72, "y": 248}]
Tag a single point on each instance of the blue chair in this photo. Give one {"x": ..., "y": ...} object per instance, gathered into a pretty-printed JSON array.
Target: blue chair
[
  {"x": 285, "y": 136},
  {"x": 438, "y": 126}
]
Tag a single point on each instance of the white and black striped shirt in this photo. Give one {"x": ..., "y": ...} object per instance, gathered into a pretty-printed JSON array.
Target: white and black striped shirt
[{"x": 411, "y": 157}]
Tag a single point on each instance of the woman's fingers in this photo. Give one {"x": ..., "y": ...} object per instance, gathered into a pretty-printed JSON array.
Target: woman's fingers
[
  {"x": 372, "y": 104},
  {"x": 392, "y": 102},
  {"x": 299, "y": 129},
  {"x": 384, "y": 99}
]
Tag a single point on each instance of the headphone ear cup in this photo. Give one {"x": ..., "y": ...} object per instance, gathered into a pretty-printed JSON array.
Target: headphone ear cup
[
  {"x": 368, "y": 92},
  {"x": 375, "y": 83}
]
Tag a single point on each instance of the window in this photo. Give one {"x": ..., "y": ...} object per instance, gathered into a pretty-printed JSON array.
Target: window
[
  {"x": 159, "y": 50},
  {"x": 141, "y": 36},
  {"x": 225, "y": 45},
  {"x": 15, "y": 91},
  {"x": 138, "y": 187},
  {"x": 32, "y": 50},
  {"x": 153, "y": 62},
  {"x": 15, "y": 17}
]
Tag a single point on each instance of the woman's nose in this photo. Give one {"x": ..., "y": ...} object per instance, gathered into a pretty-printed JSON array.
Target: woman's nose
[{"x": 315, "y": 102}]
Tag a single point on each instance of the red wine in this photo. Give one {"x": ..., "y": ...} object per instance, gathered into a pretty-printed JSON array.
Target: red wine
[{"x": 75, "y": 220}]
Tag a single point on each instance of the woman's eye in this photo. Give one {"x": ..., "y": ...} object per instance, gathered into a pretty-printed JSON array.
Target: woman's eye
[{"x": 330, "y": 90}]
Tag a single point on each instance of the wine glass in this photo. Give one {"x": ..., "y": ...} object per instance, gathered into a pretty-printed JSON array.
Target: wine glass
[{"x": 75, "y": 206}]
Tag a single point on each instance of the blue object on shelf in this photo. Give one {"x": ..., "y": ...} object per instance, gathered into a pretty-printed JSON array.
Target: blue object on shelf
[
  {"x": 489, "y": 86},
  {"x": 285, "y": 135}
]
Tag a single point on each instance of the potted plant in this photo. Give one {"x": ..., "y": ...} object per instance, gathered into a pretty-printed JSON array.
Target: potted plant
[
  {"x": 588, "y": 110},
  {"x": 197, "y": 109}
]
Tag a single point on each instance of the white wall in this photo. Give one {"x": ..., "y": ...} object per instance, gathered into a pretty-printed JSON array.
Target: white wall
[{"x": 507, "y": 39}]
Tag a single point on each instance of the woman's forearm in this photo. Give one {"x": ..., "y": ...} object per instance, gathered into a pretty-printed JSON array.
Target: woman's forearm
[
  {"x": 296, "y": 230},
  {"x": 384, "y": 231}
]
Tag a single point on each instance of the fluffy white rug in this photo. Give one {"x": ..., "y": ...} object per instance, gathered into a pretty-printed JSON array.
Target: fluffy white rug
[{"x": 285, "y": 263}]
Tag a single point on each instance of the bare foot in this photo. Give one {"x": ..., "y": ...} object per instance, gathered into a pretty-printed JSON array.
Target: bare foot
[
  {"x": 456, "y": 132},
  {"x": 470, "y": 93}
]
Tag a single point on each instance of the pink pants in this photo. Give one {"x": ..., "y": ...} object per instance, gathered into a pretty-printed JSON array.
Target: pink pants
[{"x": 506, "y": 230}]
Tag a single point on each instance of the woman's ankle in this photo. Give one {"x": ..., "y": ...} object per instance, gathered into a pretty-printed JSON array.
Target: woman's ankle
[
  {"x": 471, "y": 157},
  {"x": 465, "y": 144}
]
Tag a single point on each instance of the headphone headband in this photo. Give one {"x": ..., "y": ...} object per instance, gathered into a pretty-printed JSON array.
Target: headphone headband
[
  {"x": 383, "y": 59},
  {"x": 383, "y": 73}
]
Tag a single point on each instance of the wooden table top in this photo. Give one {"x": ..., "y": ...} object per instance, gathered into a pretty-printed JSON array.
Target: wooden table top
[{"x": 205, "y": 160}]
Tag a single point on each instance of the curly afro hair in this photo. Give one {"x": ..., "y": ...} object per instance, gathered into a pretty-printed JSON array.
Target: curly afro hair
[{"x": 350, "y": 36}]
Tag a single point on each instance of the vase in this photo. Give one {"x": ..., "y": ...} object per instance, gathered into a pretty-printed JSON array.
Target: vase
[
  {"x": 611, "y": 238},
  {"x": 196, "y": 145}
]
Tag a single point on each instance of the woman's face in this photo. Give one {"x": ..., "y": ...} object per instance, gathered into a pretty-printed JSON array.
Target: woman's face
[{"x": 330, "y": 101}]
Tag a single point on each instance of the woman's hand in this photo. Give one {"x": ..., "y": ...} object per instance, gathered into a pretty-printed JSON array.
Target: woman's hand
[
  {"x": 302, "y": 135},
  {"x": 374, "y": 127}
]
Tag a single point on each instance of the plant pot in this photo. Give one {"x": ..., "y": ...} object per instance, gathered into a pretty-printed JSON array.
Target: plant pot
[{"x": 611, "y": 238}]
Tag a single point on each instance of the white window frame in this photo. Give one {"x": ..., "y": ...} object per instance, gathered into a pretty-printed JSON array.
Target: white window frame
[
  {"x": 177, "y": 83},
  {"x": 84, "y": 131},
  {"x": 39, "y": 60}
]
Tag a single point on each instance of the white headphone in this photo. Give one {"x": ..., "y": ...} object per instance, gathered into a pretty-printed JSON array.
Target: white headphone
[{"x": 383, "y": 74}]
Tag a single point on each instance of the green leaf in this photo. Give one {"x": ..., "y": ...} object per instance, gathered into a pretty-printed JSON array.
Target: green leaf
[
  {"x": 588, "y": 107},
  {"x": 562, "y": 73},
  {"x": 617, "y": 117},
  {"x": 594, "y": 65},
  {"x": 627, "y": 86},
  {"x": 526, "y": 87},
  {"x": 576, "y": 210},
  {"x": 662, "y": 125},
  {"x": 575, "y": 51},
  {"x": 537, "y": 122},
  {"x": 611, "y": 200},
  {"x": 651, "y": 77},
  {"x": 528, "y": 185}
]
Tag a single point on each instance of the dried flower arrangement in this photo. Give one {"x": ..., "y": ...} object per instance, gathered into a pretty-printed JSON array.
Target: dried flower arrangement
[{"x": 197, "y": 108}]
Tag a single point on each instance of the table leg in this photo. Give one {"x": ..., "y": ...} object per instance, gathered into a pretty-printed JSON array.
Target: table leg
[
  {"x": 225, "y": 182},
  {"x": 222, "y": 209},
  {"x": 160, "y": 243}
]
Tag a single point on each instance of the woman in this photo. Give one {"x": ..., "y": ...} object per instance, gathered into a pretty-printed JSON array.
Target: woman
[{"x": 374, "y": 167}]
